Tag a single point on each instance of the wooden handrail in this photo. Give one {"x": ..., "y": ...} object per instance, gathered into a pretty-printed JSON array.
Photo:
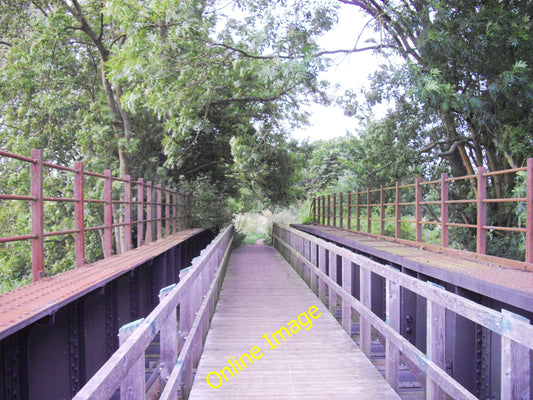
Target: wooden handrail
[
  {"x": 307, "y": 255},
  {"x": 195, "y": 296}
]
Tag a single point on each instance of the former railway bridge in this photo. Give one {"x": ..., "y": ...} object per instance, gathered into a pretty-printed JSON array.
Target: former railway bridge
[{"x": 349, "y": 307}]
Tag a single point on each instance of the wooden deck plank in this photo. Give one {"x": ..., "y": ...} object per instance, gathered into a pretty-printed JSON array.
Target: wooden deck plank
[{"x": 260, "y": 294}]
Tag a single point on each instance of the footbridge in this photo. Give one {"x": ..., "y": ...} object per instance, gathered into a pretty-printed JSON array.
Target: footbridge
[{"x": 327, "y": 311}]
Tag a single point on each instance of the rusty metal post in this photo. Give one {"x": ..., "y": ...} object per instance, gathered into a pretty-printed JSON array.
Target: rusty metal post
[
  {"x": 398, "y": 211},
  {"x": 329, "y": 210},
  {"x": 341, "y": 210},
  {"x": 358, "y": 211},
  {"x": 529, "y": 211},
  {"x": 418, "y": 209},
  {"x": 349, "y": 210},
  {"x": 127, "y": 213},
  {"x": 321, "y": 201},
  {"x": 79, "y": 212},
  {"x": 108, "y": 213},
  {"x": 167, "y": 211},
  {"x": 381, "y": 212},
  {"x": 333, "y": 209},
  {"x": 444, "y": 212},
  {"x": 159, "y": 214},
  {"x": 37, "y": 216},
  {"x": 148, "y": 212},
  {"x": 174, "y": 207},
  {"x": 140, "y": 211},
  {"x": 481, "y": 211},
  {"x": 368, "y": 211},
  {"x": 314, "y": 209}
]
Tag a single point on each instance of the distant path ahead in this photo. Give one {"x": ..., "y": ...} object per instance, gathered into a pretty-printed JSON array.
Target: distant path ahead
[{"x": 262, "y": 293}]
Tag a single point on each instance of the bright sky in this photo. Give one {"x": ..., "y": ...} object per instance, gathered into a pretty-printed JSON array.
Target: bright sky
[{"x": 350, "y": 71}]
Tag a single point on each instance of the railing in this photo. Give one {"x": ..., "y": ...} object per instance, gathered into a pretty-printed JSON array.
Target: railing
[
  {"x": 181, "y": 343},
  {"x": 357, "y": 210},
  {"x": 170, "y": 207},
  {"x": 310, "y": 255}
]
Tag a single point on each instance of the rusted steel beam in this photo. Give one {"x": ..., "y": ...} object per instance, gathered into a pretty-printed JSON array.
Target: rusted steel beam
[
  {"x": 79, "y": 215},
  {"x": 148, "y": 212},
  {"x": 140, "y": 211},
  {"x": 17, "y": 197},
  {"x": 127, "y": 213},
  {"x": 481, "y": 244},
  {"x": 37, "y": 215},
  {"x": 418, "y": 209},
  {"x": 444, "y": 211},
  {"x": 529, "y": 212},
  {"x": 398, "y": 212},
  {"x": 159, "y": 212},
  {"x": 167, "y": 211},
  {"x": 108, "y": 213}
]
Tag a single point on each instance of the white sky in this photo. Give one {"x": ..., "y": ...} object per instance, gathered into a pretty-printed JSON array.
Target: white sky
[{"x": 350, "y": 71}]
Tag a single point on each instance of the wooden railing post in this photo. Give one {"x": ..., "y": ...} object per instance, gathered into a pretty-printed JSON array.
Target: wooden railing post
[
  {"x": 435, "y": 343},
  {"x": 398, "y": 217},
  {"x": 515, "y": 365},
  {"x": 444, "y": 212},
  {"x": 186, "y": 315},
  {"x": 79, "y": 214},
  {"x": 133, "y": 386},
  {"x": 481, "y": 211},
  {"x": 127, "y": 213},
  {"x": 333, "y": 275},
  {"x": 529, "y": 212},
  {"x": 322, "y": 268},
  {"x": 365, "y": 327},
  {"x": 108, "y": 213},
  {"x": 149, "y": 212},
  {"x": 159, "y": 214},
  {"x": 37, "y": 216},
  {"x": 392, "y": 354},
  {"x": 418, "y": 209},
  {"x": 168, "y": 339},
  {"x": 347, "y": 285},
  {"x": 314, "y": 261},
  {"x": 140, "y": 212}
]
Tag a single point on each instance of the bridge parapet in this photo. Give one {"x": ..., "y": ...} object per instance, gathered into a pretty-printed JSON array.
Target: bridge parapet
[{"x": 434, "y": 209}]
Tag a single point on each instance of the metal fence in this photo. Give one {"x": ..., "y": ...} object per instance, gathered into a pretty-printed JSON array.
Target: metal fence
[
  {"x": 155, "y": 205},
  {"x": 430, "y": 204}
]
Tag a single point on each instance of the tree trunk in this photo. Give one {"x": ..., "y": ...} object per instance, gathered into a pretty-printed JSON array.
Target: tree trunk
[{"x": 455, "y": 159}]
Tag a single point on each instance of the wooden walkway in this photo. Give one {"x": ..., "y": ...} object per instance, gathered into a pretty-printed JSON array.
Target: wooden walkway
[{"x": 262, "y": 293}]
